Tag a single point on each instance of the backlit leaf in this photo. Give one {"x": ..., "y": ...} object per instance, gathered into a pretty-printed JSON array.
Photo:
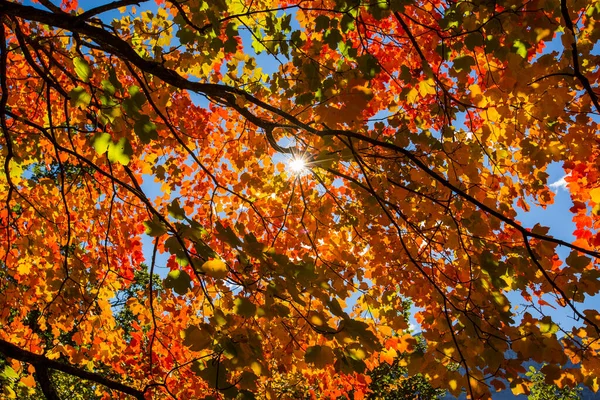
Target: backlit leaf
[
  {"x": 120, "y": 151},
  {"x": 82, "y": 69},
  {"x": 215, "y": 268},
  {"x": 244, "y": 307},
  {"x": 79, "y": 97},
  {"x": 179, "y": 281}
]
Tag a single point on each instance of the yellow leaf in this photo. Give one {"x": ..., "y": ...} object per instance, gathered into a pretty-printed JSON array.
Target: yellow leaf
[
  {"x": 593, "y": 383},
  {"x": 215, "y": 268},
  {"x": 427, "y": 87},
  {"x": 257, "y": 367},
  {"x": 388, "y": 356},
  {"x": 316, "y": 320},
  {"x": 519, "y": 388},
  {"x": 23, "y": 268},
  {"x": 453, "y": 384},
  {"x": 448, "y": 351},
  {"x": 412, "y": 95},
  {"x": 9, "y": 393},
  {"x": 595, "y": 195},
  {"x": 357, "y": 353}
]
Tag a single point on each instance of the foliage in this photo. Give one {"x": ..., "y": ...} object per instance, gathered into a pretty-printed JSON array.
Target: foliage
[
  {"x": 391, "y": 381},
  {"x": 294, "y": 170},
  {"x": 68, "y": 386},
  {"x": 124, "y": 315},
  {"x": 541, "y": 390}
]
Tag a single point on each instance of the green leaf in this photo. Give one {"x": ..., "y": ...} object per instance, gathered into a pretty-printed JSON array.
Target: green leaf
[
  {"x": 230, "y": 349},
  {"x": 212, "y": 372},
  {"x": 258, "y": 46},
  {"x": 10, "y": 373},
  {"x": 280, "y": 310},
  {"x": 112, "y": 77},
  {"x": 82, "y": 69},
  {"x": 347, "y": 364},
  {"x": 336, "y": 309},
  {"x": 547, "y": 326},
  {"x": 145, "y": 129},
  {"x": 347, "y": 23},
  {"x": 356, "y": 352},
  {"x": 174, "y": 247},
  {"x": 296, "y": 38},
  {"x": 186, "y": 35},
  {"x": 286, "y": 22},
  {"x": 230, "y": 45},
  {"x": 347, "y": 51},
  {"x": 227, "y": 235},
  {"x": 305, "y": 98},
  {"x": 79, "y": 97},
  {"x": 520, "y": 48},
  {"x": 333, "y": 38},
  {"x": 134, "y": 103},
  {"x": 179, "y": 281},
  {"x": 359, "y": 330},
  {"x": 204, "y": 251},
  {"x": 397, "y": 5},
  {"x": 247, "y": 380},
  {"x": 120, "y": 151},
  {"x": 311, "y": 71},
  {"x": 100, "y": 142},
  {"x": 155, "y": 227},
  {"x": 442, "y": 50},
  {"x": 138, "y": 97},
  {"x": 321, "y": 23},
  {"x": 175, "y": 210},
  {"x": 244, "y": 307},
  {"x": 108, "y": 87},
  {"x": 379, "y": 10},
  {"x": 368, "y": 65},
  {"x": 219, "y": 318}
]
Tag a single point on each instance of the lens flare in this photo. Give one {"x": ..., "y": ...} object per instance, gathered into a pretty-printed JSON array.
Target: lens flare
[{"x": 297, "y": 165}]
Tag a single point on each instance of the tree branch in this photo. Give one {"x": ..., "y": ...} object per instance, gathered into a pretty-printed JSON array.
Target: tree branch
[
  {"x": 43, "y": 378},
  {"x": 42, "y": 364},
  {"x": 108, "y": 7},
  {"x": 575, "y": 54}
]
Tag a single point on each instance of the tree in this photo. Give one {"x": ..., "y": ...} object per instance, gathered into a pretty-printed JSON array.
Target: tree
[
  {"x": 19, "y": 385},
  {"x": 390, "y": 381},
  {"x": 544, "y": 391},
  {"x": 306, "y": 167}
]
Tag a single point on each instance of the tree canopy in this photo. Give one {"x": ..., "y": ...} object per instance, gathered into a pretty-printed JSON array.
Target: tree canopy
[{"x": 305, "y": 168}]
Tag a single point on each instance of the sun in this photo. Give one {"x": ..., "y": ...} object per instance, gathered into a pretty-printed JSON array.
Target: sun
[{"x": 297, "y": 165}]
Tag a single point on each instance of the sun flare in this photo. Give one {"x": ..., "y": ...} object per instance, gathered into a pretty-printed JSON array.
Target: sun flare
[{"x": 297, "y": 165}]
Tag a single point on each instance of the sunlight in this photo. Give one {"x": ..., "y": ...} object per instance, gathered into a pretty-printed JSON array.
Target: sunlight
[{"x": 297, "y": 165}]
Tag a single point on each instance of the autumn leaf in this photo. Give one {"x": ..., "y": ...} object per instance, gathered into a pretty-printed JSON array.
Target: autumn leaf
[
  {"x": 179, "y": 281},
  {"x": 215, "y": 269},
  {"x": 79, "y": 97},
  {"x": 82, "y": 68}
]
